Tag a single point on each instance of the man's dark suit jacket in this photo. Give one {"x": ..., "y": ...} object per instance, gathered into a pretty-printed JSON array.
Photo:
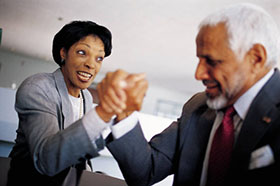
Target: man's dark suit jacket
[{"x": 180, "y": 149}]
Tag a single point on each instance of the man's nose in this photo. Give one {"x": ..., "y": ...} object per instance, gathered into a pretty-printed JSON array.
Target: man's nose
[{"x": 201, "y": 72}]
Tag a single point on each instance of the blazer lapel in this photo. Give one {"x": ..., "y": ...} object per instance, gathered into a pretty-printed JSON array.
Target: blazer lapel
[
  {"x": 65, "y": 102},
  {"x": 87, "y": 103},
  {"x": 261, "y": 115}
]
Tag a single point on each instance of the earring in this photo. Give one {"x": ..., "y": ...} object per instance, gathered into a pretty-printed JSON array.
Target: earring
[{"x": 62, "y": 61}]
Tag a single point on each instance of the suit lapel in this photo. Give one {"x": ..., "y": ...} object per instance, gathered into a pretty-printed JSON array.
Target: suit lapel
[
  {"x": 65, "y": 101},
  {"x": 261, "y": 115},
  {"x": 194, "y": 140}
]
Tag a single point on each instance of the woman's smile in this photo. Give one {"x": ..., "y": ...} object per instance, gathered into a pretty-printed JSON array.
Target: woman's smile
[{"x": 84, "y": 76}]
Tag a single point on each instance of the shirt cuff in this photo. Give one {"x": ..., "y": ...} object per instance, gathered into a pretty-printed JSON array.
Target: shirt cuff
[
  {"x": 124, "y": 126},
  {"x": 94, "y": 125}
]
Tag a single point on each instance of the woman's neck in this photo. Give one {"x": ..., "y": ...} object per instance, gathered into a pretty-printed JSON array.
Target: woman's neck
[{"x": 75, "y": 93}]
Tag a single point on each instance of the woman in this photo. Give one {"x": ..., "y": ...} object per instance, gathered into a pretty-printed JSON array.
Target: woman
[{"x": 59, "y": 128}]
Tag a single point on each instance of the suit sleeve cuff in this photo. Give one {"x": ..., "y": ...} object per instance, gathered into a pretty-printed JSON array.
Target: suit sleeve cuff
[
  {"x": 124, "y": 126},
  {"x": 94, "y": 125}
]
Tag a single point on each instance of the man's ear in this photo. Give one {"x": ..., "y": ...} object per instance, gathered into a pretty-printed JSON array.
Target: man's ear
[
  {"x": 258, "y": 56},
  {"x": 62, "y": 54}
]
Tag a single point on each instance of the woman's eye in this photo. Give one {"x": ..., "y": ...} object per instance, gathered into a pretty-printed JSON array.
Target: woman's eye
[
  {"x": 100, "y": 59},
  {"x": 81, "y": 52}
]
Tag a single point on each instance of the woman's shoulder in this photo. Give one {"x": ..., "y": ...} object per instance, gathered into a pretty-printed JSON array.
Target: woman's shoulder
[
  {"x": 38, "y": 91},
  {"x": 38, "y": 82},
  {"x": 39, "y": 78}
]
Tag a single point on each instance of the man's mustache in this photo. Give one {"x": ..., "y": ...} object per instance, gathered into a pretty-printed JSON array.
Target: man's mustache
[{"x": 210, "y": 82}]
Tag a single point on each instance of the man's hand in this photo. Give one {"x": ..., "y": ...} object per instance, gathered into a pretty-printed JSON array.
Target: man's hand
[
  {"x": 135, "y": 87},
  {"x": 120, "y": 93}
]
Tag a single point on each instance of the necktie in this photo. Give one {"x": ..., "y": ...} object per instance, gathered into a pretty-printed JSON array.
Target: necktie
[{"x": 221, "y": 149}]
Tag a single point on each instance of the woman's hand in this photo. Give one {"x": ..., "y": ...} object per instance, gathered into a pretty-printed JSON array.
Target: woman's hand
[
  {"x": 120, "y": 93},
  {"x": 136, "y": 87}
]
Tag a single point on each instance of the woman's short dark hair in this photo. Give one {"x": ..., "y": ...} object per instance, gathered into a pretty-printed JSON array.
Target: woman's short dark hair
[{"x": 76, "y": 30}]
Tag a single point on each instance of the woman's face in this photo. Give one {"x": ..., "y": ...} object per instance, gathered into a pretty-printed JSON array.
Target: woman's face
[{"x": 82, "y": 62}]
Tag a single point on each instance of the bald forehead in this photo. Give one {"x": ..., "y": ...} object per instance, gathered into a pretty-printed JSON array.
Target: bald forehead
[
  {"x": 212, "y": 32},
  {"x": 212, "y": 40}
]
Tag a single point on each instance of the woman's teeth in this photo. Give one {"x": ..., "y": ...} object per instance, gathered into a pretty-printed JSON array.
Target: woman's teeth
[{"x": 84, "y": 76}]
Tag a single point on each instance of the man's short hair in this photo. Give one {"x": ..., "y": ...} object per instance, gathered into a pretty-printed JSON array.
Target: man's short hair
[{"x": 248, "y": 24}]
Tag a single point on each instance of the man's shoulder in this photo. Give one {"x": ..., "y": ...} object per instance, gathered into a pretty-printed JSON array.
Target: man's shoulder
[{"x": 195, "y": 102}]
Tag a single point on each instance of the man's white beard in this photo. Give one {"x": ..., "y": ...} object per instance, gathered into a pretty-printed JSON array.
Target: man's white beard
[{"x": 217, "y": 103}]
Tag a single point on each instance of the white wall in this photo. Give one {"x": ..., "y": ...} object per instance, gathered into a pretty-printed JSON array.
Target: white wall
[{"x": 14, "y": 68}]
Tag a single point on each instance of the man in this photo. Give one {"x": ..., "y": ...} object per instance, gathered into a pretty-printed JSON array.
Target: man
[{"x": 228, "y": 134}]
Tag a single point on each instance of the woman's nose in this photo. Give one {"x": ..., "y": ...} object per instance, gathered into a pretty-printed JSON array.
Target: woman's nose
[{"x": 90, "y": 63}]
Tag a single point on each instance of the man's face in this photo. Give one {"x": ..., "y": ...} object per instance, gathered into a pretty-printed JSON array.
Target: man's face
[{"x": 226, "y": 78}]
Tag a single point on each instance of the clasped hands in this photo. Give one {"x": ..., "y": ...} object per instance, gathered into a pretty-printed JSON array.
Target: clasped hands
[{"x": 120, "y": 93}]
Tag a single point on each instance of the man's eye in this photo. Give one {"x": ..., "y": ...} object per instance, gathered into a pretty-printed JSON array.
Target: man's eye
[
  {"x": 213, "y": 62},
  {"x": 81, "y": 52}
]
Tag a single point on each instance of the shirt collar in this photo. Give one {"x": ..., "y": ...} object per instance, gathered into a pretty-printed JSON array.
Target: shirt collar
[{"x": 243, "y": 103}]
